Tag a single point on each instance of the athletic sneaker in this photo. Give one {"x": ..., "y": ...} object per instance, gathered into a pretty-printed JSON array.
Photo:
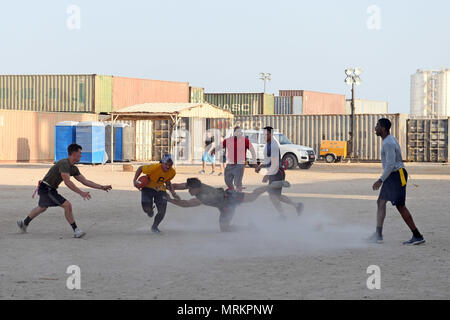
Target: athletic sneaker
[
  {"x": 78, "y": 233},
  {"x": 280, "y": 184},
  {"x": 155, "y": 230},
  {"x": 213, "y": 173},
  {"x": 299, "y": 208},
  {"x": 415, "y": 241},
  {"x": 22, "y": 226},
  {"x": 220, "y": 173},
  {"x": 202, "y": 172},
  {"x": 375, "y": 238}
]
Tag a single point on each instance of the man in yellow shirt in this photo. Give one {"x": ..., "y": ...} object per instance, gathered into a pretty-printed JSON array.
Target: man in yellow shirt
[{"x": 159, "y": 175}]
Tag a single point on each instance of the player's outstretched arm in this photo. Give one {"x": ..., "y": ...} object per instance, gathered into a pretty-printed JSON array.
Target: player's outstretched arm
[
  {"x": 179, "y": 186},
  {"x": 91, "y": 184},
  {"x": 73, "y": 187},
  {"x": 185, "y": 203}
]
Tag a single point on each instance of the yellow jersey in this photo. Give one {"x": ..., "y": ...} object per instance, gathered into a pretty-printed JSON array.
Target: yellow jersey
[{"x": 157, "y": 176}]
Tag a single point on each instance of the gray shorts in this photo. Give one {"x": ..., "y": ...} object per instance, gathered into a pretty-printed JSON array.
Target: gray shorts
[{"x": 234, "y": 172}]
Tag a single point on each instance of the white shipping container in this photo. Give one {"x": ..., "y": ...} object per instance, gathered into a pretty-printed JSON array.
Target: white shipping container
[
  {"x": 297, "y": 105},
  {"x": 363, "y": 106}
]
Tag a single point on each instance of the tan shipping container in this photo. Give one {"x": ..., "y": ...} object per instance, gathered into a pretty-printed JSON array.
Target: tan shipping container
[
  {"x": 130, "y": 91},
  {"x": 27, "y": 136},
  {"x": 310, "y": 130}
]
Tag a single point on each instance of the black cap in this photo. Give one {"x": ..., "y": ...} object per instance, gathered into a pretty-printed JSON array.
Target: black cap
[{"x": 269, "y": 128}]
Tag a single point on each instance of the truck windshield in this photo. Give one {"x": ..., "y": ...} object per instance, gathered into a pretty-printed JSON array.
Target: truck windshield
[{"x": 282, "y": 139}]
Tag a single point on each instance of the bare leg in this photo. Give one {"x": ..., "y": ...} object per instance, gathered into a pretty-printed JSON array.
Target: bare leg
[
  {"x": 67, "y": 206},
  {"x": 252, "y": 196},
  {"x": 275, "y": 199},
  {"x": 213, "y": 166},
  {"x": 407, "y": 217},
  {"x": 381, "y": 212},
  {"x": 288, "y": 200},
  {"x": 204, "y": 165},
  {"x": 35, "y": 212}
]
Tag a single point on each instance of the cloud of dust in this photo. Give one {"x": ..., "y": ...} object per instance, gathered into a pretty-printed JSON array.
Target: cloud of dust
[{"x": 309, "y": 233}]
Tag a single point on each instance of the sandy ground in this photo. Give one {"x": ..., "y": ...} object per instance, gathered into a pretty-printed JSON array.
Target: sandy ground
[{"x": 319, "y": 255}]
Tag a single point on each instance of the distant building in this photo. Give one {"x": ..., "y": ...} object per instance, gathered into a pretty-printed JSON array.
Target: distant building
[{"x": 430, "y": 94}]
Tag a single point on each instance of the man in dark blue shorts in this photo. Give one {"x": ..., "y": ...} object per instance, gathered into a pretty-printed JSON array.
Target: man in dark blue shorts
[
  {"x": 393, "y": 184},
  {"x": 49, "y": 196}
]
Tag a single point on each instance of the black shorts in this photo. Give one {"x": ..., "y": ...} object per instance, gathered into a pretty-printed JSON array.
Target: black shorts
[
  {"x": 49, "y": 197},
  {"x": 279, "y": 176},
  {"x": 392, "y": 189}
]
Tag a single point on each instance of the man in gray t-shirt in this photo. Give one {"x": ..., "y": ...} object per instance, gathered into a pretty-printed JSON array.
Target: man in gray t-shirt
[
  {"x": 49, "y": 196},
  {"x": 393, "y": 184}
]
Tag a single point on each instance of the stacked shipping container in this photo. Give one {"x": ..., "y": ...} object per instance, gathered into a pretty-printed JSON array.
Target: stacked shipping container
[
  {"x": 243, "y": 103},
  {"x": 363, "y": 106},
  {"x": 428, "y": 140},
  {"x": 313, "y": 102},
  {"x": 85, "y": 93}
]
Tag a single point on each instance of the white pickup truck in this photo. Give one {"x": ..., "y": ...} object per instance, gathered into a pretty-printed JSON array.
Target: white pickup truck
[{"x": 291, "y": 154}]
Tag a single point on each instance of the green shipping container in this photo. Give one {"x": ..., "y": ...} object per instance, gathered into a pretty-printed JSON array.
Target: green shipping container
[
  {"x": 50, "y": 93},
  {"x": 196, "y": 95},
  {"x": 103, "y": 94},
  {"x": 241, "y": 103}
]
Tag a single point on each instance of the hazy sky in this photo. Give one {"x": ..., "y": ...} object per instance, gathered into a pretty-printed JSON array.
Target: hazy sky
[{"x": 223, "y": 45}]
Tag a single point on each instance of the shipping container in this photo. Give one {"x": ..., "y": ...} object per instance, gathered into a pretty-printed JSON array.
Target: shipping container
[
  {"x": 310, "y": 130},
  {"x": 427, "y": 140},
  {"x": 196, "y": 95},
  {"x": 297, "y": 105},
  {"x": 268, "y": 104},
  {"x": 282, "y": 105},
  {"x": 130, "y": 91},
  {"x": 242, "y": 103},
  {"x": 323, "y": 103},
  {"x": 290, "y": 93},
  {"x": 103, "y": 94},
  {"x": 363, "y": 106},
  {"x": 314, "y": 102},
  {"x": 47, "y": 93},
  {"x": 27, "y": 136}
]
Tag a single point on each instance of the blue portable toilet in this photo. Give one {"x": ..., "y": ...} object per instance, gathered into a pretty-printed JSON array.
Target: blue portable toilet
[
  {"x": 90, "y": 135},
  {"x": 65, "y": 135},
  {"x": 118, "y": 145}
]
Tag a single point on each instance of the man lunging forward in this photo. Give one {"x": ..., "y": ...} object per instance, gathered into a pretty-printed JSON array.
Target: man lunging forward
[
  {"x": 394, "y": 180},
  {"x": 49, "y": 196},
  {"x": 224, "y": 200}
]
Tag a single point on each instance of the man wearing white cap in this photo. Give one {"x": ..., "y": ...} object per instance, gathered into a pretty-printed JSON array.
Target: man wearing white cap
[{"x": 159, "y": 176}]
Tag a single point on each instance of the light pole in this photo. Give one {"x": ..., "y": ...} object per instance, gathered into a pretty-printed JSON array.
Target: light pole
[
  {"x": 352, "y": 79},
  {"x": 265, "y": 77}
]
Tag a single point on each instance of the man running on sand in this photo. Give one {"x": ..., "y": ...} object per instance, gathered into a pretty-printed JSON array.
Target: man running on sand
[
  {"x": 275, "y": 172},
  {"x": 224, "y": 200},
  {"x": 236, "y": 155},
  {"x": 49, "y": 196},
  {"x": 393, "y": 181},
  {"x": 159, "y": 175}
]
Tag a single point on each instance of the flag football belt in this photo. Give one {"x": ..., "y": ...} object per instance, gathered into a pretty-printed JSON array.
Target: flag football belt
[{"x": 402, "y": 177}]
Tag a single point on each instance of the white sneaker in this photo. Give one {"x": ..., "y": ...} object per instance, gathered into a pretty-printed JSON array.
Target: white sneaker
[
  {"x": 78, "y": 233},
  {"x": 22, "y": 226}
]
